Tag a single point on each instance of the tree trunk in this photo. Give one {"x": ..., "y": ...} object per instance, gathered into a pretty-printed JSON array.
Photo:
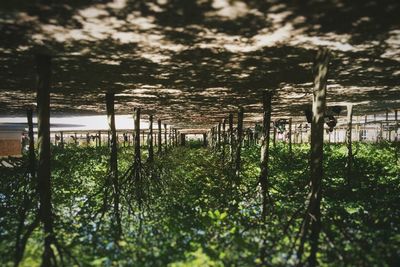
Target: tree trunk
[
  {"x": 113, "y": 161},
  {"x": 43, "y": 63},
  {"x": 313, "y": 213},
  {"x": 274, "y": 137},
  {"x": 317, "y": 143}
]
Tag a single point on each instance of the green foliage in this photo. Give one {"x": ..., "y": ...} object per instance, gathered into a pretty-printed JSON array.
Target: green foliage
[{"x": 197, "y": 214}]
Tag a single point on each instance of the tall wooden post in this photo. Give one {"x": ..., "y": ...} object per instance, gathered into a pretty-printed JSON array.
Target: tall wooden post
[
  {"x": 396, "y": 127},
  {"x": 31, "y": 153},
  {"x": 301, "y": 133},
  {"x": 349, "y": 141},
  {"x": 183, "y": 139},
  {"x": 159, "y": 137},
  {"x": 43, "y": 64},
  {"x": 231, "y": 137},
  {"x": 239, "y": 142},
  {"x": 150, "y": 139},
  {"x": 137, "y": 160},
  {"x": 176, "y": 137},
  {"x": 219, "y": 136},
  {"x": 290, "y": 136},
  {"x": 62, "y": 139},
  {"x": 267, "y": 96},
  {"x": 204, "y": 139},
  {"x": 170, "y": 136},
  {"x": 212, "y": 137},
  {"x": 165, "y": 137},
  {"x": 387, "y": 124},
  {"x": 223, "y": 139},
  {"x": 313, "y": 214},
  {"x": 274, "y": 137},
  {"x": 99, "y": 138},
  {"x": 113, "y": 161}
]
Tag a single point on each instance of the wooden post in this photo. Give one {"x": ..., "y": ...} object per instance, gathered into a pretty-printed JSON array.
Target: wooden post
[
  {"x": 231, "y": 137},
  {"x": 43, "y": 64},
  {"x": 301, "y": 133},
  {"x": 313, "y": 214},
  {"x": 113, "y": 161},
  {"x": 204, "y": 139},
  {"x": 349, "y": 141},
  {"x": 274, "y": 137},
  {"x": 219, "y": 136},
  {"x": 212, "y": 137},
  {"x": 165, "y": 137},
  {"x": 290, "y": 136},
  {"x": 76, "y": 139},
  {"x": 387, "y": 124},
  {"x": 62, "y": 139},
  {"x": 183, "y": 139},
  {"x": 396, "y": 127},
  {"x": 239, "y": 142},
  {"x": 159, "y": 137},
  {"x": 99, "y": 138},
  {"x": 31, "y": 153},
  {"x": 267, "y": 96},
  {"x": 223, "y": 139},
  {"x": 150, "y": 140},
  {"x": 137, "y": 161}
]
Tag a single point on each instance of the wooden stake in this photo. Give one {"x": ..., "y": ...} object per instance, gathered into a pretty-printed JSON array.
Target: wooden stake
[
  {"x": 62, "y": 139},
  {"x": 274, "y": 137},
  {"x": 165, "y": 137},
  {"x": 267, "y": 96},
  {"x": 219, "y": 136},
  {"x": 290, "y": 136},
  {"x": 223, "y": 139},
  {"x": 231, "y": 137},
  {"x": 159, "y": 137},
  {"x": 204, "y": 139},
  {"x": 137, "y": 159},
  {"x": 150, "y": 140},
  {"x": 31, "y": 153},
  {"x": 349, "y": 141},
  {"x": 239, "y": 142}
]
